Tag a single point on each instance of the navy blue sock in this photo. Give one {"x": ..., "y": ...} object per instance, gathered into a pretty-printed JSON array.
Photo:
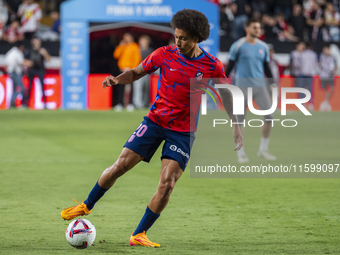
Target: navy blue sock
[
  {"x": 146, "y": 222},
  {"x": 96, "y": 193}
]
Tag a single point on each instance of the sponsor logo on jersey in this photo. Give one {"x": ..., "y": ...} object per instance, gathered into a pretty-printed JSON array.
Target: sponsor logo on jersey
[{"x": 199, "y": 75}]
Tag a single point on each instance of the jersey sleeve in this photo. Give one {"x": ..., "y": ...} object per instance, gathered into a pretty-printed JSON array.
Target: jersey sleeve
[
  {"x": 219, "y": 70},
  {"x": 38, "y": 13},
  {"x": 21, "y": 10},
  {"x": 153, "y": 61},
  {"x": 20, "y": 58},
  {"x": 233, "y": 52},
  {"x": 219, "y": 74}
]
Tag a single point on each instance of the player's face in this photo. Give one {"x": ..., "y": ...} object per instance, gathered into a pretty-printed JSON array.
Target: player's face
[
  {"x": 254, "y": 29},
  {"x": 326, "y": 51},
  {"x": 36, "y": 43},
  {"x": 184, "y": 42},
  {"x": 300, "y": 47}
]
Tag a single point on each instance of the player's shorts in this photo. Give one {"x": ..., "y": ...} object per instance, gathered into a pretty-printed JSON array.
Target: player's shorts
[
  {"x": 327, "y": 81},
  {"x": 148, "y": 136},
  {"x": 262, "y": 99}
]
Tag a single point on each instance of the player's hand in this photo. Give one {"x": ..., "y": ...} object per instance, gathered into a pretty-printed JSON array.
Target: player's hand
[
  {"x": 109, "y": 81},
  {"x": 43, "y": 51},
  {"x": 238, "y": 137},
  {"x": 27, "y": 63}
]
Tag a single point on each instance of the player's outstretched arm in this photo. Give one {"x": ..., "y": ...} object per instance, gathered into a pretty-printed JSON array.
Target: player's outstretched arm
[
  {"x": 227, "y": 101},
  {"x": 126, "y": 77}
]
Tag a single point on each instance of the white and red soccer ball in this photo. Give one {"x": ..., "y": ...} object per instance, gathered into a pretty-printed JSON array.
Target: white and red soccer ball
[{"x": 80, "y": 233}]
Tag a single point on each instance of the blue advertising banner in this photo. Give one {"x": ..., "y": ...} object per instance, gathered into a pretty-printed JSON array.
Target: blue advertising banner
[
  {"x": 75, "y": 66},
  {"x": 76, "y": 15}
]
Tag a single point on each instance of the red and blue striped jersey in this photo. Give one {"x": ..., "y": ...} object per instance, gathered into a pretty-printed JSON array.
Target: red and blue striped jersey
[{"x": 172, "y": 109}]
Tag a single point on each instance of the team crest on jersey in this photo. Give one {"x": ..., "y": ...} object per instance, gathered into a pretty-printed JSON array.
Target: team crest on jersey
[
  {"x": 199, "y": 75},
  {"x": 261, "y": 51}
]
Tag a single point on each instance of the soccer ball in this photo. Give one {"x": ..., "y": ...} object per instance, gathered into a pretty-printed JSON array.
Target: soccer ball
[{"x": 80, "y": 233}]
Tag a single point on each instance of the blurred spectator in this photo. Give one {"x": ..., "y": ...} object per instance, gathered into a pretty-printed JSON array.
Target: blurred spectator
[
  {"x": 56, "y": 22},
  {"x": 315, "y": 23},
  {"x": 12, "y": 32},
  {"x": 256, "y": 15},
  {"x": 335, "y": 3},
  {"x": 298, "y": 22},
  {"x": 259, "y": 6},
  {"x": 225, "y": 24},
  {"x": 37, "y": 55},
  {"x": 328, "y": 69},
  {"x": 141, "y": 87},
  {"x": 295, "y": 62},
  {"x": 241, "y": 10},
  {"x": 284, "y": 34},
  {"x": 14, "y": 61},
  {"x": 309, "y": 64},
  {"x": 3, "y": 16},
  {"x": 128, "y": 55},
  {"x": 283, "y": 6},
  {"x": 30, "y": 14},
  {"x": 277, "y": 28},
  {"x": 54, "y": 33},
  {"x": 332, "y": 22},
  {"x": 228, "y": 10},
  {"x": 308, "y": 7},
  {"x": 270, "y": 29},
  {"x": 12, "y": 6}
]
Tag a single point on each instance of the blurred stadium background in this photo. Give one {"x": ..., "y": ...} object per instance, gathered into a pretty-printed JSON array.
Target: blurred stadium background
[
  {"x": 48, "y": 157},
  {"x": 82, "y": 50}
]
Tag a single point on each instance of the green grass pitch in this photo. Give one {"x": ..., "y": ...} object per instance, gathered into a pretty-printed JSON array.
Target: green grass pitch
[{"x": 49, "y": 157}]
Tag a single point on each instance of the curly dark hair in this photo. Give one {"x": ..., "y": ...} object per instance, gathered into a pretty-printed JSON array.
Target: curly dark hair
[{"x": 193, "y": 22}]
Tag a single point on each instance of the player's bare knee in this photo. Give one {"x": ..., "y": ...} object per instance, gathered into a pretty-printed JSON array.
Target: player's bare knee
[
  {"x": 268, "y": 119},
  {"x": 119, "y": 168},
  {"x": 165, "y": 187},
  {"x": 122, "y": 165}
]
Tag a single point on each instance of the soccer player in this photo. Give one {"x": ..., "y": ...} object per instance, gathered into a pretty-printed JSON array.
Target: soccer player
[
  {"x": 328, "y": 68},
  {"x": 252, "y": 58},
  {"x": 168, "y": 119},
  {"x": 309, "y": 68}
]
